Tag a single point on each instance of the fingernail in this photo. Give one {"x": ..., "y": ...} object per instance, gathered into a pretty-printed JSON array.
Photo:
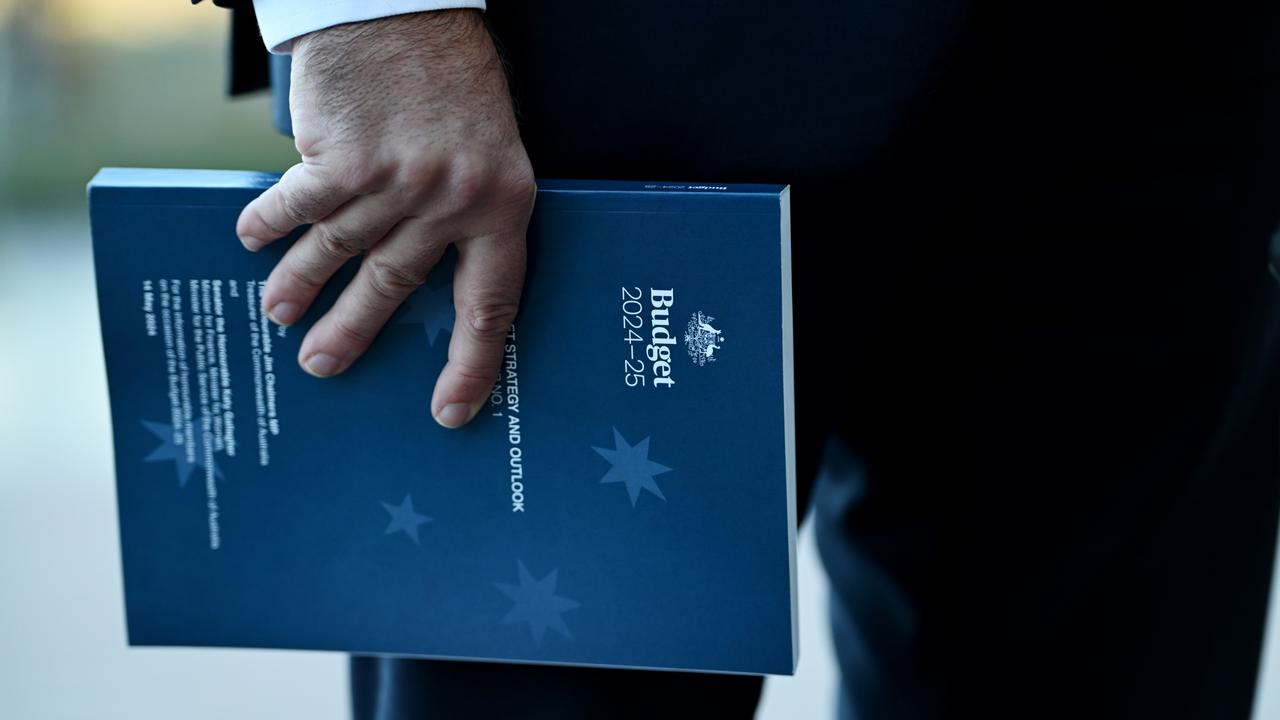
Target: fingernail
[
  {"x": 283, "y": 313},
  {"x": 251, "y": 243},
  {"x": 322, "y": 365},
  {"x": 454, "y": 415}
]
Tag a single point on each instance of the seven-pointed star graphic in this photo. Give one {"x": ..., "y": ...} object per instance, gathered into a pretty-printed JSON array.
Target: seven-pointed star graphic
[
  {"x": 404, "y": 518},
  {"x": 432, "y": 308},
  {"x": 169, "y": 450},
  {"x": 535, "y": 602},
  {"x": 631, "y": 465}
]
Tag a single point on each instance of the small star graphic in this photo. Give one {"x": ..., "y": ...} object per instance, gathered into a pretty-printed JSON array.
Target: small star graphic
[
  {"x": 631, "y": 465},
  {"x": 535, "y": 602},
  {"x": 432, "y": 308},
  {"x": 404, "y": 518},
  {"x": 170, "y": 450}
]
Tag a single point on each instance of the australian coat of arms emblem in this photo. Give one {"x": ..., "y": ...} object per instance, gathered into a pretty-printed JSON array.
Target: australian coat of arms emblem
[{"x": 702, "y": 339}]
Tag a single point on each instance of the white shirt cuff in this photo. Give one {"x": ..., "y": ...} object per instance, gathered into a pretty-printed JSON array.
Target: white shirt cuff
[{"x": 280, "y": 21}]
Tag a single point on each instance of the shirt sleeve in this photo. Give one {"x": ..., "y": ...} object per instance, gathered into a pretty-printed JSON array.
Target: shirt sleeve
[{"x": 283, "y": 20}]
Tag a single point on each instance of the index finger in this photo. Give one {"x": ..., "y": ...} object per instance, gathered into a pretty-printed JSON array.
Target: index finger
[{"x": 302, "y": 196}]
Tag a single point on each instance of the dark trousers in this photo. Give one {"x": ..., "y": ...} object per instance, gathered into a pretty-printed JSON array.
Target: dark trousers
[{"x": 1035, "y": 367}]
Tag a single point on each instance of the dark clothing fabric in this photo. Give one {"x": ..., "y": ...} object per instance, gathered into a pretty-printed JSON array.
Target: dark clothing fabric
[
  {"x": 249, "y": 69},
  {"x": 391, "y": 689},
  {"x": 1035, "y": 342}
]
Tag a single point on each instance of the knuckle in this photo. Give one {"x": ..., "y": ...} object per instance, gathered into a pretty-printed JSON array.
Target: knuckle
[
  {"x": 468, "y": 183},
  {"x": 358, "y": 176},
  {"x": 307, "y": 138},
  {"x": 352, "y": 334},
  {"x": 491, "y": 319},
  {"x": 297, "y": 204},
  {"x": 303, "y": 276},
  {"x": 334, "y": 243},
  {"x": 421, "y": 170},
  {"x": 272, "y": 224},
  {"x": 519, "y": 184},
  {"x": 391, "y": 282},
  {"x": 419, "y": 176},
  {"x": 475, "y": 369}
]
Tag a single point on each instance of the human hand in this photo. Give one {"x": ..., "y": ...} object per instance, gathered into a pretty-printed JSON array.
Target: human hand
[{"x": 409, "y": 144}]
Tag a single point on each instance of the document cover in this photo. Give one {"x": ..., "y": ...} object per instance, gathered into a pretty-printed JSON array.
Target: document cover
[{"x": 626, "y": 498}]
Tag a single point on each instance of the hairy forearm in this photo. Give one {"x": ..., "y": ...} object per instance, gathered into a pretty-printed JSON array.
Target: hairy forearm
[{"x": 447, "y": 55}]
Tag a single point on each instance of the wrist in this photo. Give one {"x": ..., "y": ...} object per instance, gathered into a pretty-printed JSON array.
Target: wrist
[
  {"x": 282, "y": 22},
  {"x": 424, "y": 32}
]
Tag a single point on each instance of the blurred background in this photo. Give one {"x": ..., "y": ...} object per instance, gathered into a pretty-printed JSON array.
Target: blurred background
[
  {"x": 89, "y": 83},
  {"x": 85, "y": 84}
]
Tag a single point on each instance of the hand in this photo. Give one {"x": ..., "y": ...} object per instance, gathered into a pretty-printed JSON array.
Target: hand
[{"x": 408, "y": 143}]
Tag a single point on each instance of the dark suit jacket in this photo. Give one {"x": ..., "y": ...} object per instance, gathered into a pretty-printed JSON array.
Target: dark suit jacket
[
  {"x": 249, "y": 67},
  {"x": 1031, "y": 312}
]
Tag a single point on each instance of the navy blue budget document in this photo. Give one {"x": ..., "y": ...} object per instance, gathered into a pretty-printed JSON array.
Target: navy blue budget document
[{"x": 626, "y": 498}]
